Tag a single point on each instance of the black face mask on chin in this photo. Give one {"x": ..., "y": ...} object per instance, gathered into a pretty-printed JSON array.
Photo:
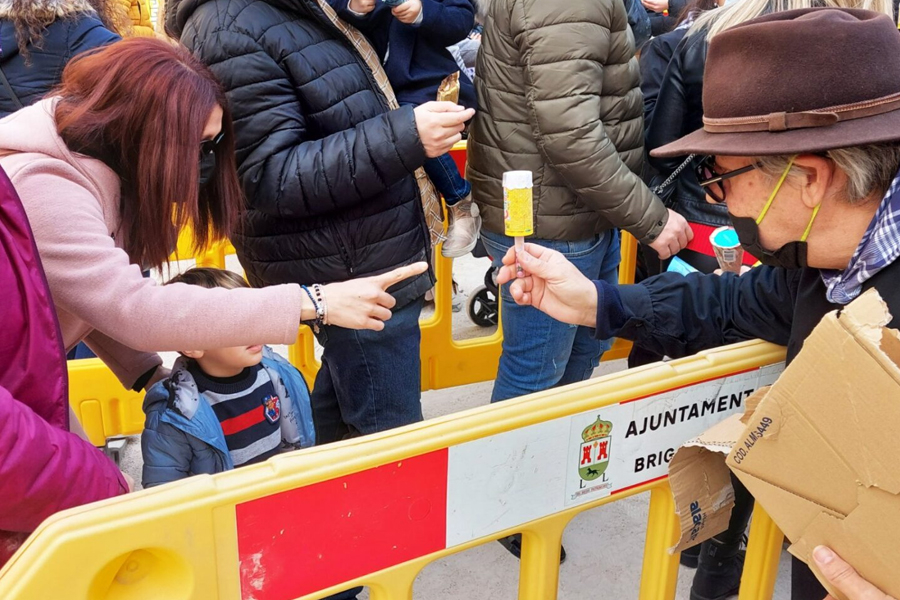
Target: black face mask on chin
[{"x": 790, "y": 256}]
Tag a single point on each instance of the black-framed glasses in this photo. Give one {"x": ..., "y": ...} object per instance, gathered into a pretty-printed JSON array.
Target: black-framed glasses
[
  {"x": 209, "y": 146},
  {"x": 711, "y": 180}
]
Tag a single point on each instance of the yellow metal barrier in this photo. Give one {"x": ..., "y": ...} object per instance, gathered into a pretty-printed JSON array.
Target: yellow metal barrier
[
  {"x": 106, "y": 409},
  {"x": 375, "y": 511}
]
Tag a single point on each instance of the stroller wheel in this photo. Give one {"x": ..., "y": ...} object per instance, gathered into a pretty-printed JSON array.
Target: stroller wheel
[
  {"x": 482, "y": 307},
  {"x": 490, "y": 280}
]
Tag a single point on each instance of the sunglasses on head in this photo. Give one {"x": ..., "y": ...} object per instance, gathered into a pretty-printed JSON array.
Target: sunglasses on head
[
  {"x": 209, "y": 146},
  {"x": 711, "y": 180}
]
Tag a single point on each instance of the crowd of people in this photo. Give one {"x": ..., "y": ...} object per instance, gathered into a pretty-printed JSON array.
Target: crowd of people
[{"x": 309, "y": 134}]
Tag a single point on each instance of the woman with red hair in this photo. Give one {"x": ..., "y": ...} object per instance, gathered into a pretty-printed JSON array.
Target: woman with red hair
[{"x": 136, "y": 144}]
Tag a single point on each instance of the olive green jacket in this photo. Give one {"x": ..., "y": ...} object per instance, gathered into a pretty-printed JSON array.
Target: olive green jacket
[{"x": 559, "y": 95}]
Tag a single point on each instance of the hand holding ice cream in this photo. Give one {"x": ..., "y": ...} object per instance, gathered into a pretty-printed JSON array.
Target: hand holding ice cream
[{"x": 550, "y": 283}]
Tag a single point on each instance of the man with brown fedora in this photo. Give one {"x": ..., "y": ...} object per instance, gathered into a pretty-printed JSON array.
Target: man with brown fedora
[{"x": 801, "y": 141}]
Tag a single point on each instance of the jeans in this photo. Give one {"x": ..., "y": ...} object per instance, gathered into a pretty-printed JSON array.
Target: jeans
[
  {"x": 370, "y": 381},
  {"x": 540, "y": 352},
  {"x": 446, "y": 178}
]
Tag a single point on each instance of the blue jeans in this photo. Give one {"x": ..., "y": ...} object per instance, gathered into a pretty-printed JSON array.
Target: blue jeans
[
  {"x": 446, "y": 178},
  {"x": 540, "y": 352},
  {"x": 370, "y": 381}
]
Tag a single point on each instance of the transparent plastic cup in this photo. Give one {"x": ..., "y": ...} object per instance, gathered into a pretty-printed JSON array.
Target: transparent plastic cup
[{"x": 728, "y": 249}]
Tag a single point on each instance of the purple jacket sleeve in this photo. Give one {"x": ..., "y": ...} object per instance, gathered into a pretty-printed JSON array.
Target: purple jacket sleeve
[{"x": 44, "y": 470}]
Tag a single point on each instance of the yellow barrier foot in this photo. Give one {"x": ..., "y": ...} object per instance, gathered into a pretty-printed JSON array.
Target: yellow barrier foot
[
  {"x": 660, "y": 574},
  {"x": 763, "y": 558},
  {"x": 539, "y": 565}
]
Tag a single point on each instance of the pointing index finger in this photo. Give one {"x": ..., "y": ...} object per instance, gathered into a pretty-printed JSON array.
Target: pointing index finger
[{"x": 386, "y": 280}]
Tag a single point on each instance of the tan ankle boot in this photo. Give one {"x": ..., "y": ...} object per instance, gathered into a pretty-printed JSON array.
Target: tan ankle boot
[{"x": 463, "y": 230}]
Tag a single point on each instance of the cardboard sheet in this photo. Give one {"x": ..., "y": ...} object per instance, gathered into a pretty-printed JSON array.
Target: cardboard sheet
[{"x": 818, "y": 451}]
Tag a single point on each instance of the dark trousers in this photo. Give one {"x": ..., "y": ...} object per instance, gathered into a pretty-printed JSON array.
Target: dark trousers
[
  {"x": 804, "y": 585},
  {"x": 370, "y": 381}
]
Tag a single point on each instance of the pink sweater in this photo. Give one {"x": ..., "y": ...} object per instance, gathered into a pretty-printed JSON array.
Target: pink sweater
[{"x": 72, "y": 202}]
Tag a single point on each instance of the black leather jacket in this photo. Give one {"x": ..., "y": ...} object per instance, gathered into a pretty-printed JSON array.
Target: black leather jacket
[{"x": 673, "y": 108}]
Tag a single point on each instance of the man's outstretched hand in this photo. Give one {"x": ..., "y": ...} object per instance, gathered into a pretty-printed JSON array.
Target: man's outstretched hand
[{"x": 551, "y": 284}]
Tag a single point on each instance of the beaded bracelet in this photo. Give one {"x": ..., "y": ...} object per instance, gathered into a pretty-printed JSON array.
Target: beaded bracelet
[
  {"x": 320, "y": 296},
  {"x": 320, "y": 312}
]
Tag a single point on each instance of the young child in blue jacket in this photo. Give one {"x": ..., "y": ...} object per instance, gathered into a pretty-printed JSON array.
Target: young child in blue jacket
[
  {"x": 411, "y": 37},
  {"x": 223, "y": 408}
]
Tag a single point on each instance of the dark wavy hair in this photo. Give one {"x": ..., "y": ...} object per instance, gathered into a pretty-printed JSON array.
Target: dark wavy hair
[
  {"x": 143, "y": 104},
  {"x": 32, "y": 17}
]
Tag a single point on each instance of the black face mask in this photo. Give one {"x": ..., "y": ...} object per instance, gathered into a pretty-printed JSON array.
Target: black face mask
[
  {"x": 207, "y": 168},
  {"x": 790, "y": 256}
]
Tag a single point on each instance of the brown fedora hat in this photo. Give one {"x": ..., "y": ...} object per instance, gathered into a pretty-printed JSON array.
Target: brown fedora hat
[{"x": 799, "y": 81}]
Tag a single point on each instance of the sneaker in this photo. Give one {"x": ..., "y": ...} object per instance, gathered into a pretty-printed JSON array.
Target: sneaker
[{"x": 463, "y": 230}]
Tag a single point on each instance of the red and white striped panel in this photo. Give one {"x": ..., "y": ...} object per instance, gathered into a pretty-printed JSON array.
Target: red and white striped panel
[{"x": 307, "y": 539}]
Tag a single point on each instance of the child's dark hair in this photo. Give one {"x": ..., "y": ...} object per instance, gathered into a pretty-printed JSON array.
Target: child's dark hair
[{"x": 210, "y": 278}]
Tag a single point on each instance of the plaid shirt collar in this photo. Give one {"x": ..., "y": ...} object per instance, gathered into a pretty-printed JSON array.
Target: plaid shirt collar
[{"x": 879, "y": 247}]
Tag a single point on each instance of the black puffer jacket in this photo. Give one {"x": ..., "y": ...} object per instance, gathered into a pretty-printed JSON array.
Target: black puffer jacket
[
  {"x": 326, "y": 166},
  {"x": 676, "y": 112}
]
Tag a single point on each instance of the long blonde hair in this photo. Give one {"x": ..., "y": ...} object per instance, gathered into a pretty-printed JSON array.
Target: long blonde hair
[{"x": 716, "y": 21}]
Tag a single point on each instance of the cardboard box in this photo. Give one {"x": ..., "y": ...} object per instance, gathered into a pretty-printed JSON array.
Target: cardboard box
[
  {"x": 818, "y": 450},
  {"x": 701, "y": 481}
]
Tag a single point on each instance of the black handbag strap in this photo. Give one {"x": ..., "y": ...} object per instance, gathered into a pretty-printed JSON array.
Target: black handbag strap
[
  {"x": 9, "y": 90},
  {"x": 661, "y": 187}
]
